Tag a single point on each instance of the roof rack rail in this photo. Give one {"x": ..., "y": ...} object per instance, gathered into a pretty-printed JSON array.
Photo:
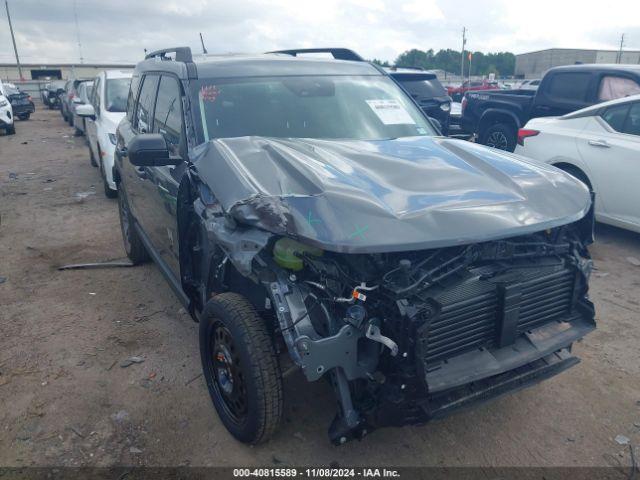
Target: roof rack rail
[
  {"x": 183, "y": 54},
  {"x": 395, "y": 67},
  {"x": 338, "y": 53}
]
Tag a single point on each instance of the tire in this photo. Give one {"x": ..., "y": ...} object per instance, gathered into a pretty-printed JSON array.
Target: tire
[
  {"x": 241, "y": 368},
  {"x": 108, "y": 192},
  {"x": 500, "y": 136},
  {"x": 70, "y": 119},
  {"x": 11, "y": 130},
  {"x": 77, "y": 132},
  {"x": 133, "y": 245},
  {"x": 92, "y": 159},
  {"x": 24, "y": 117}
]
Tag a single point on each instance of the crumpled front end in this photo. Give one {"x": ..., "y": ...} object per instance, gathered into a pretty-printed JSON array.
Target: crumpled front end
[
  {"x": 403, "y": 334},
  {"x": 412, "y": 336},
  {"x": 404, "y": 337}
]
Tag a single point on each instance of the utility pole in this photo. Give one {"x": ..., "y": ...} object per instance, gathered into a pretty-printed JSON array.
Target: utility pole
[
  {"x": 464, "y": 42},
  {"x": 15, "y": 48},
  {"x": 619, "y": 59},
  {"x": 204, "y": 50},
  {"x": 75, "y": 17}
]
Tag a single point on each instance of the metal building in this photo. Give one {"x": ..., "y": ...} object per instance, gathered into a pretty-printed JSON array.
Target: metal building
[
  {"x": 39, "y": 71},
  {"x": 534, "y": 64}
]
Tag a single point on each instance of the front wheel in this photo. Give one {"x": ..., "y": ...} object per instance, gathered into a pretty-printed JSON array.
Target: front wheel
[
  {"x": 11, "y": 130},
  {"x": 25, "y": 116},
  {"x": 500, "y": 136},
  {"x": 133, "y": 245},
  {"x": 241, "y": 368}
]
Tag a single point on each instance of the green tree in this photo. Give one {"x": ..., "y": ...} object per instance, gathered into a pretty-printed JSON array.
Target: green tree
[{"x": 500, "y": 63}]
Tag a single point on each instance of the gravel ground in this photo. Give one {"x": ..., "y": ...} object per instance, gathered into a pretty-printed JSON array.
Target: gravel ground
[{"x": 66, "y": 400}]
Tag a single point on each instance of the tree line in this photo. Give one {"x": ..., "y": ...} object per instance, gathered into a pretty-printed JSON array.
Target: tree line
[{"x": 501, "y": 63}]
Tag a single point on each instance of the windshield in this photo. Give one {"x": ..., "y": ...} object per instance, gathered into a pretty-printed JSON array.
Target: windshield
[
  {"x": 336, "y": 107},
  {"x": 117, "y": 91}
]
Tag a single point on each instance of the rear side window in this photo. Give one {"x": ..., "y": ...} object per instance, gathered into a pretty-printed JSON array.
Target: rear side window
[
  {"x": 115, "y": 99},
  {"x": 632, "y": 125},
  {"x": 615, "y": 116},
  {"x": 131, "y": 100},
  {"x": 423, "y": 89},
  {"x": 569, "y": 86},
  {"x": 168, "y": 113},
  {"x": 144, "y": 112},
  {"x": 612, "y": 87}
]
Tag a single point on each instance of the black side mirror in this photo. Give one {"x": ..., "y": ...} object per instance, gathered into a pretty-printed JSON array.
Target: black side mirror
[{"x": 149, "y": 150}]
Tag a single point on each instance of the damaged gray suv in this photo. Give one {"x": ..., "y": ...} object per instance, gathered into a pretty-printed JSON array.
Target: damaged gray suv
[{"x": 305, "y": 208}]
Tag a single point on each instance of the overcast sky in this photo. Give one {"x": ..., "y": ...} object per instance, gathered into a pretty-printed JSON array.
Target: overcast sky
[{"x": 118, "y": 30}]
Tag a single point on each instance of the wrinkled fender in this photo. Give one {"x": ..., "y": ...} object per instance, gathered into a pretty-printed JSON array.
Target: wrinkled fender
[{"x": 222, "y": 243}]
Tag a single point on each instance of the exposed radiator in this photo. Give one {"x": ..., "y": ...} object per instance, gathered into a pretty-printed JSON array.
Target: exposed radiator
[{"x": 471, "y": 314}]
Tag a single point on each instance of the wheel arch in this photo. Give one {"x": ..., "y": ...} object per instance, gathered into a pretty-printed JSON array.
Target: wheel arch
[
  {"x": 575, "y": 170},
  {"x": 493, "y": 116}
]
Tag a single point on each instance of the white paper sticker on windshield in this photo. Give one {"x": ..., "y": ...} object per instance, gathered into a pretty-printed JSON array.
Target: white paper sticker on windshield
[{"x": 390, "y": 112}]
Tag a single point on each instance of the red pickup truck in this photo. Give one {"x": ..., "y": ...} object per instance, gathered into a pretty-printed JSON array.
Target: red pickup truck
[{"x": 457, "y": 92}]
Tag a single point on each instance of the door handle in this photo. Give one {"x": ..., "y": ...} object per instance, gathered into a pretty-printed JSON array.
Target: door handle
[{"x": 599, "y": 143}]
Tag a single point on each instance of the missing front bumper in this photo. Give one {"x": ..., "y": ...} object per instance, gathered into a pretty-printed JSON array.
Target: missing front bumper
[{"x": 450, "y": 401}]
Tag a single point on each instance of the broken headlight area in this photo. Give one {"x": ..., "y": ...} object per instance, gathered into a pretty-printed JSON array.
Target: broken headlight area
[{"x": 408, "y": 336}]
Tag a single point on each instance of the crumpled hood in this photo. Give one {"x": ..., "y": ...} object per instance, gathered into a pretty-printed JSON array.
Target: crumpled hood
[{"x": 389, "y": 195}]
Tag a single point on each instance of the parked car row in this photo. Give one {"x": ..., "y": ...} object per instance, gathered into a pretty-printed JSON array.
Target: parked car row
[
  {"x": 14, "y": 103},
  {"x": 495, "y": 116},
  {"x": 52, "y": 92},
  {"x": 70, "y": 98},
  {"x": 94, "y": 107}
]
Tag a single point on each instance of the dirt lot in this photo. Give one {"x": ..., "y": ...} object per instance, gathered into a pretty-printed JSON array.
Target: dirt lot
[{"x": 65, "y": 399}]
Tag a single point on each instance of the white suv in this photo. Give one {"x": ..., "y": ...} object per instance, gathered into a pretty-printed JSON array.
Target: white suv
[
  {"x": 6, "y": 113},
  {"x": 108, "y": 104}
]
